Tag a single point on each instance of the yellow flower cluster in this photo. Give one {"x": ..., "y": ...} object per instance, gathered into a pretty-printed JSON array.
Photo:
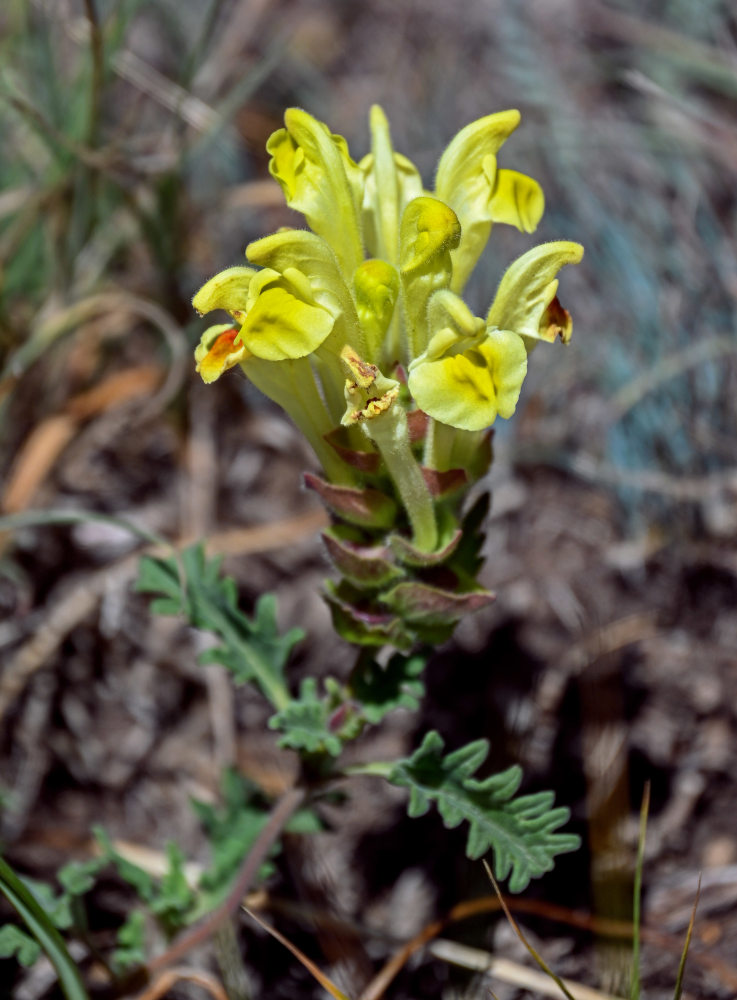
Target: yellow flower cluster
[{"x": 366, "y": 305}]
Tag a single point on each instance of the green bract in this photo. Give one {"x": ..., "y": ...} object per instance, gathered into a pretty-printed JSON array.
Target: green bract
[{"x": 356, "y": 328}]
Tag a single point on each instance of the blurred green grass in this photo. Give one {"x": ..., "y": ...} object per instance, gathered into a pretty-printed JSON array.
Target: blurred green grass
[{"x": 132, "y": 133}]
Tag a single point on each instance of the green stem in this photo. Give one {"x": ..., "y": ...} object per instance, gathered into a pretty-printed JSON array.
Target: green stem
[
  {"x": 373, "y": 768},
  {"x": 292, "y": 385},
  {"x": 390, "y": 433}
]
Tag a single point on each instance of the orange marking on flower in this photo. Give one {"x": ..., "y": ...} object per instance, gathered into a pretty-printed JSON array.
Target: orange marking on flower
[
  {"x": 223, "y": 343},
  {"x": 220, "y": 357}
]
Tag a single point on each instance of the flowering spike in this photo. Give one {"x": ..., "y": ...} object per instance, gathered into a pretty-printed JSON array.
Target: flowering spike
[{"x": 357, "y": 329}]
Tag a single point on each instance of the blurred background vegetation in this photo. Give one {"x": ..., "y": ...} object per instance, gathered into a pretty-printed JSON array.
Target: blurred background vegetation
[{"x": 132, "y": 168}]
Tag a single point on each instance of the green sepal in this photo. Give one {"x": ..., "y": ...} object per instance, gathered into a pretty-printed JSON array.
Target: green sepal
[
  {"x": 367, "y": 462},
  {"x": 422, "y": 604},
  {"x": 367, "y": 508},
  {"x": 361, "y": 623},
  {"x": 409, "y": 554},
  {"x": 417, "y": 424},
  {"x": 444, "y": 483},
  {"x": 365, "y": 566}
]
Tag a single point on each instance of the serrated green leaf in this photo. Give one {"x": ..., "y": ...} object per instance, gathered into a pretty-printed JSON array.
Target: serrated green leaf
[
  {"x": 130, "y": 949},
  {"x": 78, "y": 877},
  {"x": 160, "y": 576},
  {"x": 56, "y": 908},
  {"x": 136, "y": 877},
  {"x": 520, "y": 831},
  {"x": 305, "y": 723},
  {"x": 173, "y": 900},
  {"x": 15, "y": 943},
  {"x": 232, "y": 829},
  {"x": 251, "y": 649},
  {"x": 379, "y": 690}
]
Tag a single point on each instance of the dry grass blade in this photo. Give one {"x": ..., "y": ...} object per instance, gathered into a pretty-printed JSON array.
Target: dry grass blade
[
  {"x": 322, "y": 979},
  {"x": 380, "y": 983},
  {"x": 49, "y": 329},
  {"x": 38, "y": 456},
  {"x": 520, "y": 934},
  {"x": 509, "y": 972},
  {"x": 171, "y": 977}
]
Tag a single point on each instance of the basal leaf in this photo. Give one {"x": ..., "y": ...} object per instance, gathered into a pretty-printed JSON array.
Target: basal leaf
[{"x": 520, "y": 831}]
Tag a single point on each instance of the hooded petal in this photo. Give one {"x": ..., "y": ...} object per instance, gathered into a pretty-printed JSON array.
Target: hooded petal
[
  {"x": 391, "y": 182},
  {"x": 467, "y": 180},
  {"x": 429, "y": 232},
  {"x": 320, "y": 179},
  {"x": 526, "y": 293},
  {"x": 228, "y": 290}
]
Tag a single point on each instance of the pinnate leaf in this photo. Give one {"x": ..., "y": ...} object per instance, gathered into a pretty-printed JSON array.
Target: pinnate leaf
[
  {"x": 379, "y": 690},
  {"x": 15, "y": 943},
  {"x": 305, "y": 722},
  {"x": 521, "y": 831},
  {"x": 251, "y": 649},
  {"x": 130, "y": 948}
]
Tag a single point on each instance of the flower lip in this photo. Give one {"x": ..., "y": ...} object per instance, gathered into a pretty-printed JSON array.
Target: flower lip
[{"x": 217, "y": 351}]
